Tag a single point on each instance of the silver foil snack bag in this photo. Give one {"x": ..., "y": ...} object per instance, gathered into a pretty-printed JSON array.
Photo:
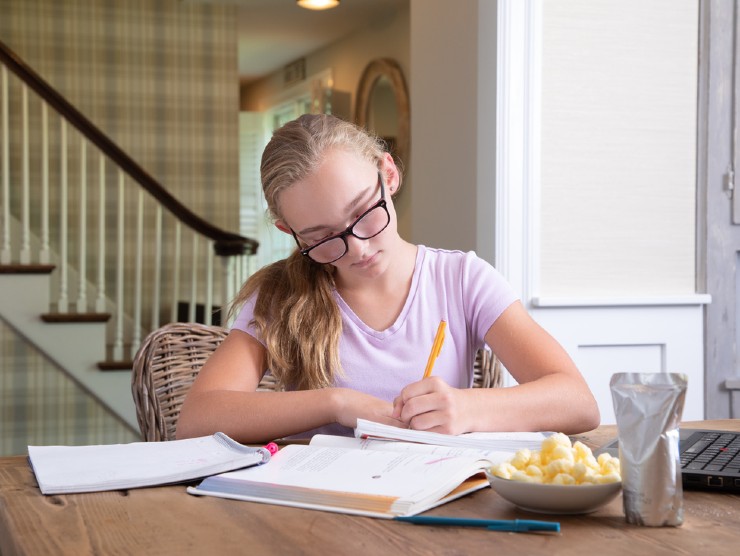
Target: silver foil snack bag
[{"x": 648, "y": 408}]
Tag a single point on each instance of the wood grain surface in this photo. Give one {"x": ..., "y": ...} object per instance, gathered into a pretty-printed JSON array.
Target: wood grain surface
[{"x": 167, "y": 520}]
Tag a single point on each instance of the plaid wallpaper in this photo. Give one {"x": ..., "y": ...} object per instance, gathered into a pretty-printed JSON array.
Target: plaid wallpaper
[{"x": 41, "y": 405}]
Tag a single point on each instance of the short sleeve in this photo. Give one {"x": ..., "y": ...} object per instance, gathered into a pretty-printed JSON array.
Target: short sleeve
[
  {"x": 244, "y": 320},
  {"x": 486, "y": 294}
]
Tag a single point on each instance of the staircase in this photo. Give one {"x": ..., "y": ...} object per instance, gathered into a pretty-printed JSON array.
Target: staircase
[
  {"x": 94, "y": 252},
  {"x": 76, "y": 347}
]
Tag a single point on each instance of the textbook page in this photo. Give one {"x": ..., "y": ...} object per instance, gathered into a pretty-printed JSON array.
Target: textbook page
[
  {"x": 67, "y": 469},
  {"x": 499, "y": 441},
  {"x": 362, "y": 482},
  {"x": 327, "y": 440}
]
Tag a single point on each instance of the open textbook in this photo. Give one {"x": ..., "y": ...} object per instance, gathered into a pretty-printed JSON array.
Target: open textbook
[
  {"x": 69, "y": 469},
  {"x": 360, "y": 476}
]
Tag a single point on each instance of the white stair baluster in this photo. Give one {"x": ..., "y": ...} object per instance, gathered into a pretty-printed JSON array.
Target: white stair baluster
[
  {"x": 208, "y": 310},
  {"x": 237, "y": 276},
  {"x": 63, "y": 303},
  {"x": 175, "y": 272},
  {"x": 157, "y": 285},
  {"x": 193, "y": 280},
  {"x": 5, "y": 254},
  {"x": 100, "y": 305},
  {"x": 136, "y": 338},
  {"x": 45, "y": 253},
  {"x": 245, "y": 271},
  {"x": 228, "y": 292},
  {"x": 25, "y": 254},
  {"x": 118, "y": 335},
  {"x": 82, "y": 238}
]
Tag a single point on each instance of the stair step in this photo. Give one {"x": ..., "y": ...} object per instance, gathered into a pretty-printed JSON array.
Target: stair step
[
  {"x": 75, "y": 317},
  {"x": 116, "y": 365},
  {"x": 27, "y": 268}
]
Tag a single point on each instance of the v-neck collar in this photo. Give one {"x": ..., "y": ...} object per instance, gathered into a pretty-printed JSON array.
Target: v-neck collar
[{"x": 401, "y": 319}]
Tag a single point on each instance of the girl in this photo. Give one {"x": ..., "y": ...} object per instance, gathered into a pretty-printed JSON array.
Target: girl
[{"x": 346, "y": 322}]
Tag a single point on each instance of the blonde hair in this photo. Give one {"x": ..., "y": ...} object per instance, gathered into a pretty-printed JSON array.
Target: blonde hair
[{"x": 295, "y": 311}]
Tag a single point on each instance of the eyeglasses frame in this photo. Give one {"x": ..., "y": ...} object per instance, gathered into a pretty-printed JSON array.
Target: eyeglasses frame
[{"x": 349, "y": 230}]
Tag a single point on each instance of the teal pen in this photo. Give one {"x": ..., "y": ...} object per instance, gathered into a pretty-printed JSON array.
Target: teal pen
[{"x": 515, "y": 525}]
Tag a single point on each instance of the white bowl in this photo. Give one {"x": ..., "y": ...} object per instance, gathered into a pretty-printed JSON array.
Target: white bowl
[{"x": 555, "y": 499}]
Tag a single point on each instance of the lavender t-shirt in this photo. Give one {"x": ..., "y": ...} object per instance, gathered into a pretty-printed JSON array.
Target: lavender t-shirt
[{"x": 457, "y": 287}]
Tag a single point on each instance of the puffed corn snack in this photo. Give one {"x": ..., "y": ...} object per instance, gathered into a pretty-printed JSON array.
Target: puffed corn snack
[{"x": 559, "y": 462}]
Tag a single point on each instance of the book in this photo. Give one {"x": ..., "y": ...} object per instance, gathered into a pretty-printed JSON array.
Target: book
[
  {"x": 72, "y": 469},
  {"x": 373, "y": 483},
  {"x": 498, "y": 441},
  {"x": 368, "y": 477}
]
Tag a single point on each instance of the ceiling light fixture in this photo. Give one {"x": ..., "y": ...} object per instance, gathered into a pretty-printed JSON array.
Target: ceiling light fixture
[{"x": 318, "y": 4}]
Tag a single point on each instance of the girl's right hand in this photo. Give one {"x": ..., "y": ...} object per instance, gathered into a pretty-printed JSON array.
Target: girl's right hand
[{"x": 351, "y": 405}]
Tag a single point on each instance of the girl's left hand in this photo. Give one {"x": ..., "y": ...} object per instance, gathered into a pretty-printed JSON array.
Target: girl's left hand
[{"x": 431, "y": 405}]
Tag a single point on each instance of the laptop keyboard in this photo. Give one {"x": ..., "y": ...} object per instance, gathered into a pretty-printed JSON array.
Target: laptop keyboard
[{"x": 713, "y": 452}]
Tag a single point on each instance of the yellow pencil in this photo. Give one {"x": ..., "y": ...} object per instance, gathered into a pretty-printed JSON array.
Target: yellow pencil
[{"x": 436, "y": 347}]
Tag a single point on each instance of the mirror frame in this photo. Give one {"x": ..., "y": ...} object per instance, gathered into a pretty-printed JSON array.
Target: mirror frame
[{"x": 386, "y": 67}]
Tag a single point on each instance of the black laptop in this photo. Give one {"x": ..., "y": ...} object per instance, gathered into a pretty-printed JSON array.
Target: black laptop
[{"x": 710, "y": 459}]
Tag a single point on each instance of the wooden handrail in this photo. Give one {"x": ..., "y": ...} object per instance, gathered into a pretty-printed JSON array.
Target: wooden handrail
[{"x": 225, "y": 243}]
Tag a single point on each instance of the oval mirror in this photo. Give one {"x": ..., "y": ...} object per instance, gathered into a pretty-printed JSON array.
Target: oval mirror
[{"x": 382, "y": 105}]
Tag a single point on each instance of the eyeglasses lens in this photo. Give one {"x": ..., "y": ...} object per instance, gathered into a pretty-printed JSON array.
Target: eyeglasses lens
[{"x": 370, "y": 225}]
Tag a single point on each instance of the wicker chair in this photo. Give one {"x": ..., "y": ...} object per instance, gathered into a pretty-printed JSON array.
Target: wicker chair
[{"x": 170, "y": 358}]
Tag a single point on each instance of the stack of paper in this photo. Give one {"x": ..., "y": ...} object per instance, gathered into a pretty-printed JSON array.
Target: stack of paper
[
  {"x": 67, "y": 469},
  {"x": 498, "y": 441}
]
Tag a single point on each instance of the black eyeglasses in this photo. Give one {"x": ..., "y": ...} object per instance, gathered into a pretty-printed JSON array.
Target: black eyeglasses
[{"x": 369, "y": 224}]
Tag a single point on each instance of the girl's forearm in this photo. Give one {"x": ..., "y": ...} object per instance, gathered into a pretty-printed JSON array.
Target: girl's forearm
[
  {"x": 554, "y": 402},
  {"x": 252, "y": 417}
]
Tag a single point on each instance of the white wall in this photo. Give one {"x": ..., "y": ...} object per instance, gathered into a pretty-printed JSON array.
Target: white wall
[
  {"x": 653, "y": 337},
  {"x": 453, "y": 125},
  {"x": 618, "y": 175},
  {"x": 613, "y": 259},
  {"x": 618, "y": 190}
]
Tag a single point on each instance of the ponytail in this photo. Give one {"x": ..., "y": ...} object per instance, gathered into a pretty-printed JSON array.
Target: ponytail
[{"x": 299, "y": 321}]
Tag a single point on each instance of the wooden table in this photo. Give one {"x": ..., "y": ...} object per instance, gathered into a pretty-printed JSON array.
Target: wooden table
[{"x": 167, "y": 520}]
